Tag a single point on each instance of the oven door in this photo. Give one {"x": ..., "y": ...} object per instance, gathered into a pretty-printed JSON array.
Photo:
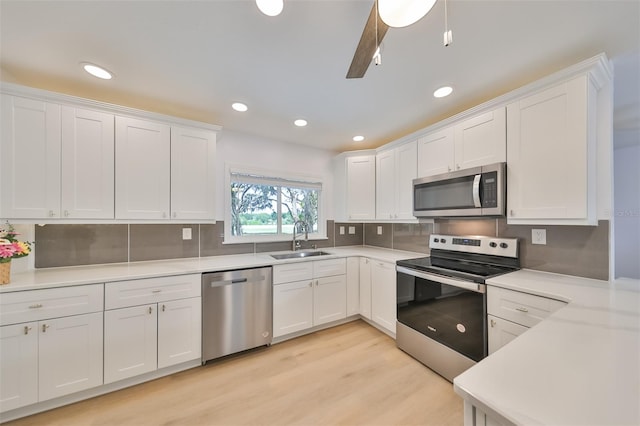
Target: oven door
[{"x": 448, "y": 310}]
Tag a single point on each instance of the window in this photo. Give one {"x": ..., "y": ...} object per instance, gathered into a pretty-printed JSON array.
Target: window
[{"x": 265, "y": 207}]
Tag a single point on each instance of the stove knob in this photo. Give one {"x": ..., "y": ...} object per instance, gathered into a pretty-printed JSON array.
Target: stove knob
[
  {"x": 435, "y": 240},
  {"x": 493, "y": 244},
  {"x": 504, "y": 245},
  {"x": 443, "y": 240}
]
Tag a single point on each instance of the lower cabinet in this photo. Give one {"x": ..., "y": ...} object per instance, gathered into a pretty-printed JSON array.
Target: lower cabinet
[
  {"x": 319, "y": 297},
  {"x": 383, "y": 294},
  {"x": 50, "y": 357},
  {"x": 353, "y": 286},
  {"x": 145, "y": 337},
  {"x": 365, "y": 287}
]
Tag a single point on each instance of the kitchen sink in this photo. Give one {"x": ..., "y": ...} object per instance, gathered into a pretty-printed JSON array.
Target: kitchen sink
[{"x": 299, "y": 254}]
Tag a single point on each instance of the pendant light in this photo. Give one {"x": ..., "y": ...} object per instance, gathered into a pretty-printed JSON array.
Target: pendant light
[
  {"x": 402, "y": 13},
  {"x": 270, "y": 7}
]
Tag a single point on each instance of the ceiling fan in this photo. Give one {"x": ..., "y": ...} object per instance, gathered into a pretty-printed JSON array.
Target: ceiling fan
[{"x": 384, "y": 14}]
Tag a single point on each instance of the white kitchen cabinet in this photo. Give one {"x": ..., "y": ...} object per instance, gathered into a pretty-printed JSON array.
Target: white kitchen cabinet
[
  {"x": 307, "y": 294},
  {"x": 365, "y": 287},
  {"x": 193, "y": 163},
  {"x": 481, "y": 140},
  {"x": 511, "y": 313},
  {"x": 472, "y": 142},
  {"x": 395, "y": 170},
  {"x": 52, "y": 343},
  {"x": 150, "y": 324},
  {"x": 383, "y": 294},
  {"x": 355, "y": 186},
  {"x": 353, "y": 286},
  {"x": 551, "y": 138},
  {"x": 58, "y": 161},
  {"x": 30, "y": 158},
  {"x": 143, "y": 169}
]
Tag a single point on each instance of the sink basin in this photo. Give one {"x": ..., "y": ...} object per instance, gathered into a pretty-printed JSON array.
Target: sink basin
[{"x": 299, "y": 254}]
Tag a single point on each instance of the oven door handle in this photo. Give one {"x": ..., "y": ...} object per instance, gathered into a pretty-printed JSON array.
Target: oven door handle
[{"x": 467, "y": 285}]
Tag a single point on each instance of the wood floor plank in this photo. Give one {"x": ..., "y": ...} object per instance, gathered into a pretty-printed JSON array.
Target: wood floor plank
[{"x": 347, "y": 375}]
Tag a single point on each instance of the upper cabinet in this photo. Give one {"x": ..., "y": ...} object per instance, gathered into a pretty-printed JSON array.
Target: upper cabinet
[
  {"x": 472, "y": 142},
  {"x": 57, "y": 161},
  {"x": 355, "y": 189},
  {"x": 62, "y": 161},
  {"x": 395, "y": 170},
  {"x": 551, "y": 148}
]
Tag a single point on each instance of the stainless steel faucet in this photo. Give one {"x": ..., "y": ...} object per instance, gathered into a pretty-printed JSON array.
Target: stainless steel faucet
[{"x": 295, "y": 244}]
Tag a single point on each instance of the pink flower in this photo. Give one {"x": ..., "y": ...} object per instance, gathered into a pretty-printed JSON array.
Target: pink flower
[{"x": 7, "y": 251}]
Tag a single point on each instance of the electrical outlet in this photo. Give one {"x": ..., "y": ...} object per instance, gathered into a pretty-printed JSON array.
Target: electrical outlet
[
  {"x": 379, "y": 230},
  {"x": 342, "y": 230},
  {"x": 186, "y": 233},
  {"x": 538, "y": 236},
  {"x": 352, "y": 230}
]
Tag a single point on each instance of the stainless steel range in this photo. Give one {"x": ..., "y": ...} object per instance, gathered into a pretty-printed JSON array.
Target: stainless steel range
[{"x": 441, "y": 300}]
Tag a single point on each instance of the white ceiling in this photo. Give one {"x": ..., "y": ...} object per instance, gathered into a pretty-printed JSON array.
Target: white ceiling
[{"x": 192, "y": 59}]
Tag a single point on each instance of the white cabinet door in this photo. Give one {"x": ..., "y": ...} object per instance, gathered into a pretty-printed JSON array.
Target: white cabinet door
[
  {"x": 353, "y": 286},
  {"x": 130, "y": 342},
  {"x": 29, "y": 159},
  {"x": 481, "y": 140},
  {"x": 18, "y": 365},
  {"x": 193, "y": 162},
  {"x": 292, "y": 307},
  {"x": 329, "y": 299},
  {"x": 361, "y": 187},
  {"x": 87, "y": 164},
  {"x": 143, "y": 167},
  {"x": 179, "y": 331},
  {"x": 383, "y": 294},
  {"x": 502, "y": 332},
  {"x": 551, "y": 154},
  {"x": 406, "y": 172},
  {"x": 365, "y": 287},
  {"x": 70, "y": 354},
  {"x": 436, "y": 153},
  {"x": 386, "y": 184}
]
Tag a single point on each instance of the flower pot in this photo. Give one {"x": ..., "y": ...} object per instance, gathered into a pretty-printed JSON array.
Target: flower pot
[{"x": 5, "y": 272}]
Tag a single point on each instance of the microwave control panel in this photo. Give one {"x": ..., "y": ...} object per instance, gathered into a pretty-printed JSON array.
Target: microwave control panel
[{"x": 489, "y": 189}]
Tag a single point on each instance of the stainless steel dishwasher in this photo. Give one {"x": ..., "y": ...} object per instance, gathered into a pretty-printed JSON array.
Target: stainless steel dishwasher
[{"x": 237, "y": 311}]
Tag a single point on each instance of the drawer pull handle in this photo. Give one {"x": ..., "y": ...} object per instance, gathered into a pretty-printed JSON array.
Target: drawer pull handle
[
  {"x": 150, "y": 309},
  {"x": 156, "y": 291},
  {"x": 522, "y": 309},
  {"x": 27, "y": 329},
  {"x": 163, "y": 308},
  {"x": 44, "y": 328},
  {"x": 36, "y": 306}
]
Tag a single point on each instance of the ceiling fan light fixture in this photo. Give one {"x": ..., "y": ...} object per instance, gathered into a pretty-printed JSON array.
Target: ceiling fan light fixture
[
  {"x": 402, "y": 13},
  {"x": 443, "y": 92},
  {"x": 270, "y": 7},
  {"x": 97, "y": 71},
  {"x": 239, "y": 106}
]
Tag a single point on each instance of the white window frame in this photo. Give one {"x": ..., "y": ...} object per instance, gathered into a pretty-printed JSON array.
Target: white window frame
[{"x": 265, "y": 176}]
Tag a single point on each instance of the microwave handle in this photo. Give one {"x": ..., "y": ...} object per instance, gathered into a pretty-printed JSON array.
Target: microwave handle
[{"x": 476, "y": 190}]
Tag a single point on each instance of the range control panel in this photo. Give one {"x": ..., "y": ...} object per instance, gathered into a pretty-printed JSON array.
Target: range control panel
[{"x": 475, "y": 244}]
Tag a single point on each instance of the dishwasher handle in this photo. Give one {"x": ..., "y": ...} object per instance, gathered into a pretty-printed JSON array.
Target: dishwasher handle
[{"x": 216, "y": 282}]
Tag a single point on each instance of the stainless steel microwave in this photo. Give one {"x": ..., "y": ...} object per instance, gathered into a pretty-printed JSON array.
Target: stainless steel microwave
[{"x": 478, "y": 191}]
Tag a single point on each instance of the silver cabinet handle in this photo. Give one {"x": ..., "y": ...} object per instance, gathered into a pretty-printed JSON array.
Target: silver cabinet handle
[
  {"x": 458, "y": 166},
  {"x": 164, "y": 215},
  {"x": 156, "y": 291},
  {"x": 51, "y": 213},
  {"x": 511, "y": 213},
  {"x": 175, "y": 214},
  {"x": 522, "y": 309},
  {"x": 150, "y": 309},
  {"x": 493, "y": 323},
  {"x": 27, "y": 329},
  {"x": 431, "y": 328},
  {"x": 44, "y": 328},
  {"x": 310, "y": 283},
  {"x": 163, "y": 308},
  {"x": 66, "y": 213},
  {"x": 317, "y": 283},
  {"x": 36, "y": 306}
]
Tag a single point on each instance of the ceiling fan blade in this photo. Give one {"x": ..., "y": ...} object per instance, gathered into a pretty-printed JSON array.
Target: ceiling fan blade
[{"x": 367, "y": 45}]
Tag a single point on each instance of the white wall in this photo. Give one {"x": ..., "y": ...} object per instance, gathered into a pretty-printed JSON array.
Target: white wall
[
  {"x": 627, "y": 206},
  {"x": 292, "y": 159}
]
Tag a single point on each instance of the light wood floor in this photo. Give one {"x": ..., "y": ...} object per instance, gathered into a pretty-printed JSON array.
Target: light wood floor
[{"x": 346, "y": 375}]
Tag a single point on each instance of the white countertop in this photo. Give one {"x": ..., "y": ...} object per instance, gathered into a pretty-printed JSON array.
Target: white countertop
[
  {"x": 78, "y": 275},
  {"x": 580, "y": 366}
]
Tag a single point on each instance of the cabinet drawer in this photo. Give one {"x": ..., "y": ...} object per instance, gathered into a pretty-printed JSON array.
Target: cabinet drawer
[
  {"x": 151, "y": 290},
  {"x": 329, "y": 267},
  {"x": 289, "y": 272},
  {"x": 34, "y": 305},
  {"x": 521, "y": 308}
]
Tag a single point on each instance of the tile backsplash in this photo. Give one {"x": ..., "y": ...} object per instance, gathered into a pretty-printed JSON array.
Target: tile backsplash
[{"x": 573, "y": 250}]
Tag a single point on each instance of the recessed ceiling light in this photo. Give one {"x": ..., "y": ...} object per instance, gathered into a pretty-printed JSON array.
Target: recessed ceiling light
[
  {"x": 270, "y": 7},
  {"x": 358, "y": 138},
  {"x": 96, "y": 71},
  {"x": 442, "y": 92},
  {"x": 239, "y": 106},
  {"x": 300, "y": 122}
]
